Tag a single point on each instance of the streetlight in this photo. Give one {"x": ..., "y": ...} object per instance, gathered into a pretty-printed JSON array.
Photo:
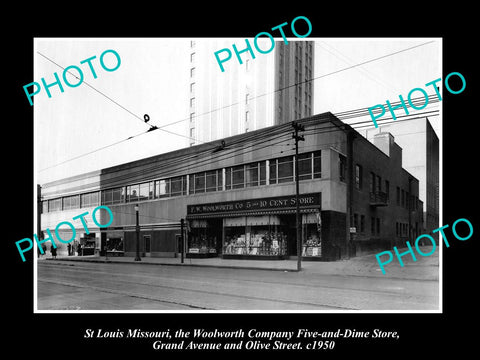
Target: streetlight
[{"x": 137, "y": 228}]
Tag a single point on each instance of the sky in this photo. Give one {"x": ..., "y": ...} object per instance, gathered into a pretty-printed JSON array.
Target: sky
[{"x": 153, "y": 79}]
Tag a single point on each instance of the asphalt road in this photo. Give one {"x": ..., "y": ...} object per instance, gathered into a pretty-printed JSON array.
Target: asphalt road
[{"x": 111, "y": 286}]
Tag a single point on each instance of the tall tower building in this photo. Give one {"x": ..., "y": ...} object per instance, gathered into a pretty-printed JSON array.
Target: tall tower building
[
  {"x": 267, "y": 90},
  {"x": 293, "y": 81}
]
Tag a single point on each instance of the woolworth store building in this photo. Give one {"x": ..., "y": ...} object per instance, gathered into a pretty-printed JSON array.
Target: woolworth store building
[{"x": 236, "y": 197}]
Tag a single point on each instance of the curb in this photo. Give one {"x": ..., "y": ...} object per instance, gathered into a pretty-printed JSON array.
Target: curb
[
  {"x": 173, "y": 264},
  {"x": 305, "y": 270}
]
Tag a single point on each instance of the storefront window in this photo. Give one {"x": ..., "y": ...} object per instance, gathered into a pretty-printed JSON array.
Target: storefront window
[
  {"x": 87, "y": 245},
  {"x": 115, "y": 244},
  {"x": 255, "y": 236},
  {"x": 202, "y": 238},
  {"x": 312, "y": 243}
]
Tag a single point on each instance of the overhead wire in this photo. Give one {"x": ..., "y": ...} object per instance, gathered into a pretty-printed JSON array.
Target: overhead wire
[
  {"x": 157, "y": 171},
  {"x": 345, "y": 115},
  {"x": 332, "y": 50},
  {"x": 152, "y": 127}
]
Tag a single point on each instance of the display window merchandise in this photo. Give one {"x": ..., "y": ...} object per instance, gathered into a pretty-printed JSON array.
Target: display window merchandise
[{"x": 263, "y": 228}]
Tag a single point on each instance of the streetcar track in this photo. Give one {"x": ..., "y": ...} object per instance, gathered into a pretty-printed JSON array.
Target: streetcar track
[
  {"x": 119, "y": 292},
  {"x": 123, "y": 279},
  {"x": 274, "y": 282}
]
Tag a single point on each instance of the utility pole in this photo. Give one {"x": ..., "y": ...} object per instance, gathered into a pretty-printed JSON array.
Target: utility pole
[
  {"x": 297, "y": 128},
  {"x": 137, "y": 230},
  {"x": 182, "y": 237}
]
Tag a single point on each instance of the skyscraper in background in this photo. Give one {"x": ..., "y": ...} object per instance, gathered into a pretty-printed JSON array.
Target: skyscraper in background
[{"x": 267, "y": 90}]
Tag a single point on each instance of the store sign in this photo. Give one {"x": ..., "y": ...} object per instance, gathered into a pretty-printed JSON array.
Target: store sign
[{"x": 312, "y": 200}]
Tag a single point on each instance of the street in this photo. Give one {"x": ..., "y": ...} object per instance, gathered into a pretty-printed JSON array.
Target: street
[{"x": 76, "y": 285}]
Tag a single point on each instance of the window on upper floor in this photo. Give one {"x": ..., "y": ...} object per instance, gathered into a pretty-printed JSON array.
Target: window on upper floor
[
  {"x": 211, "y": 180},
  {"x": 55, "y": 205},
  {"x": 90, "y": 199},
  {"x": 133, "y": 192},
  {"x": 238, "y": 177},
  {"x": 305, "y": 165},
  {"x": 178, "y": 186},
  {"x": 199, "y": 180},
  {"x": 317, "y": 164},
  {"x": 342, "y": 164},
  {"x": 285, "y": 169},
  {"x": 71, "y": 202},
  {"x": 358, "y": 176},
  {"x": 378, "y": 184}
]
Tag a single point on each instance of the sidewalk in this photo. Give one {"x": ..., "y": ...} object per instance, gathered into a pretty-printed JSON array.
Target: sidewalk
[{"x": 425, "y": 268}]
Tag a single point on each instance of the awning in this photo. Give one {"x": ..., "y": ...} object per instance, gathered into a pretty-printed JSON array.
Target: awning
[
  {"x": 251, "y": 220},
  {"x": 252, "y": 213}
]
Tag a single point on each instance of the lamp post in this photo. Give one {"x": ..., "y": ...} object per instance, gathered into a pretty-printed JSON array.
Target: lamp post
[
  {"x": 182, "y": 224},
  {"x": 137, "y": 228}
]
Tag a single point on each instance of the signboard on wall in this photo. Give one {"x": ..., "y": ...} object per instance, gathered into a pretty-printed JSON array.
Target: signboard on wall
[{"x": 312, "y": 200}]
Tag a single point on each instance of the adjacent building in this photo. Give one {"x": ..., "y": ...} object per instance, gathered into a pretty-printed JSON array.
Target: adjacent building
[
  {"x": 420, "y": 146},
  {"x": 267, "y": 90},
  {"x": 237, "y": 197}
]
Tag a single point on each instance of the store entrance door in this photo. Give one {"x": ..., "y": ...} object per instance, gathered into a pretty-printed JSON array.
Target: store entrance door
[
  {"x": 178, "y": 239},
  {"x": 216, "y": 231},
  {"x": 289, "y": 222},
  {"x": 146, "y": 240}
]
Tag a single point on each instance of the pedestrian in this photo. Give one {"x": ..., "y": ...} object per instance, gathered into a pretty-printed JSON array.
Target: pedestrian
[
  {"x": 53, "y": 250},
  {"x": 69, "y": 248}
]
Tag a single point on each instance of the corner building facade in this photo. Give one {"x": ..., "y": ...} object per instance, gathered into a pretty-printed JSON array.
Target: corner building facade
[{"x": 237, "y": 198}]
